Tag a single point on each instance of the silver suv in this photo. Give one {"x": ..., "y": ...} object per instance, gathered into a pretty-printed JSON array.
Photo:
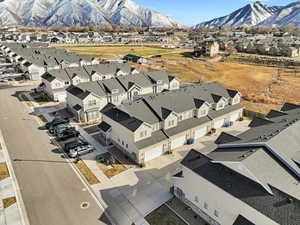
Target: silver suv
[{"x": 80, "y": 150}]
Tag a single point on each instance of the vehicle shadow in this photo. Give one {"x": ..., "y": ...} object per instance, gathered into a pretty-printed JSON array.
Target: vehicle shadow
[{"x": 57, "y": 151}]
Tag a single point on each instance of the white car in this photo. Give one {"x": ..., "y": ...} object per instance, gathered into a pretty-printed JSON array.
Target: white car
[{"x": 80, "y": 150}]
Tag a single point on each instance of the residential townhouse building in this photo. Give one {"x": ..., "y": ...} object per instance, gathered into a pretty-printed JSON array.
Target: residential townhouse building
[
  {"x": 34, "y": 59},
  {"x": 156, "y": 124},
  {"x": 251, "y": 178},
  {"x": 55, "y": 82},
  {"x": 87, "y": 99}
]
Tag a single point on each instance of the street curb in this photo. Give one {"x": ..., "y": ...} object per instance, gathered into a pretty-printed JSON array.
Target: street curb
[{"x": 100, "y": 203}]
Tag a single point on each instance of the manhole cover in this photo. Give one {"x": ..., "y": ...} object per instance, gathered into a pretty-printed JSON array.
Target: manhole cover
[{"x": 84, "y": 205}]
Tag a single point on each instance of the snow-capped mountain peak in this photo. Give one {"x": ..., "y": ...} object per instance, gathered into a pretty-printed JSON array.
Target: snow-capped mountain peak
[
  {"x": 81, "y": 13},
  {"x": 289, "y": 14},
  {"x": 250, "y": 15}
]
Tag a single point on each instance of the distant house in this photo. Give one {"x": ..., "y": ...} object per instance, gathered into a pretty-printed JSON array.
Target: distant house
[
  {"x": 135, "y": 59},
  {"x": 56, "y": 81},
  {"x": 207, "y": 48},
  {"x": 54, "y": 40},
  {"x": 36, "y": 58}
]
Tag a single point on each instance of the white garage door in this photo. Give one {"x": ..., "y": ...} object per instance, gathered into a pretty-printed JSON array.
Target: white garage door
[
  {"x": 178, "y": 142},
  {"x": 234, "y": 117},
  {"x": 200, "y": 132},
  {"x": 92, "y": 115},
  {"x": 219, "y": 123},
  {"x": 61, "y": 97},
  {"x": 153, "y": 153}
]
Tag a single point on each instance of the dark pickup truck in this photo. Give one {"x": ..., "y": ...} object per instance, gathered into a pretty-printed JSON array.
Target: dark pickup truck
[{"x": 56, "y": 121}]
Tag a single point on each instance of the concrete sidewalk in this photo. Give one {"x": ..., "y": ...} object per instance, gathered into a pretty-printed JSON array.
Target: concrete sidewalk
[
  {"x": 11, "y": 215},
  {"x": 110, "y": 192}
]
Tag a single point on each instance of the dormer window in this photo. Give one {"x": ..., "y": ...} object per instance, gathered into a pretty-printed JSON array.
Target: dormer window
[
  {"x": 203, "y": 112},
  {"x": 92, "y": 102},
  {"x": 171, "y": 123},
  {"x": 221, "y": 105},
  {"x": 143, "y": 134}
]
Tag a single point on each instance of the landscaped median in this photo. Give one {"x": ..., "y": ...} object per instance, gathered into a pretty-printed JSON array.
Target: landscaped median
[
  {"x": 7, "y": 202},
  {"x": 87, "y": 173},
  {"x": 3, "y": 171},
  {"x": 109, "y": 165}
]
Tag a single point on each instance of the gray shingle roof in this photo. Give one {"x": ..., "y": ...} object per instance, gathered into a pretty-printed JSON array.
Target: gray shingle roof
[
  {"x": 240, "y": 220},
  {"x": 59, "y": 74},
  {"x": 47, "y": 76},
  {"x": 186, "y": 124},
  {"x": 156, "y": 137},
  {"x": 78, "y": 92},
  {"x": 229, "y": 108},
  {"x": 77, "y": 107},
  {"x": 280, "y": 207},
  {"x": 134, "y": 79},
  {"x": 121, "y": 117},
  {"x": 226, "y": 138},
  {"x": 104, "y": 126}
]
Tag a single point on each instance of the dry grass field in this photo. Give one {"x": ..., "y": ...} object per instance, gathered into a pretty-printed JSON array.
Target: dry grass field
[
  {"x": 263, "y": 88},
  {"x": 116, "y": 52}
]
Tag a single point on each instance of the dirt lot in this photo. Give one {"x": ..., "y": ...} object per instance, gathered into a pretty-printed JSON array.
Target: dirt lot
[{"x": 263, "y": 88}]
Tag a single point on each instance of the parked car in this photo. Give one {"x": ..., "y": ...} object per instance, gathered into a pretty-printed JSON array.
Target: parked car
[
  {"x": 8, "y": 70},
  {"x": 56, "y": 121},
  {"x": 67, "y": 134},
  {"x": 73, "y": 144},
  {"x": 55, "y": 130},
  {"x": 59, "y": 129},
  {"x": 80, "y": 150}
]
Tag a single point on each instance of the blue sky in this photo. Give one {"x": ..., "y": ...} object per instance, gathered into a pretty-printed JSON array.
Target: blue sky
[{"x": 191, "y": 12}]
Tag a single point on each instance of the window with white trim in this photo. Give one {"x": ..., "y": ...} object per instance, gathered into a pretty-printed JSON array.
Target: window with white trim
[
  {"x": 205, "y": 205},
  {"x": 216, "y": 213}
]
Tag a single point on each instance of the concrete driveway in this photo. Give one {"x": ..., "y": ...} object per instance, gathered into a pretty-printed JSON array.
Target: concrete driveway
[{"x": 135, "y": 193}]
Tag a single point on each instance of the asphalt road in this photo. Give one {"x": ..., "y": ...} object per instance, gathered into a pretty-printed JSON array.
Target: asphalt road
[{"x": 51, "y": 191}]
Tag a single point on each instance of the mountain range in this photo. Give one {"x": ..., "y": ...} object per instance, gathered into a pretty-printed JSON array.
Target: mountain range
[
  {"x": 45, "y": 13},
  {"x": 258, "y": 14}
]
